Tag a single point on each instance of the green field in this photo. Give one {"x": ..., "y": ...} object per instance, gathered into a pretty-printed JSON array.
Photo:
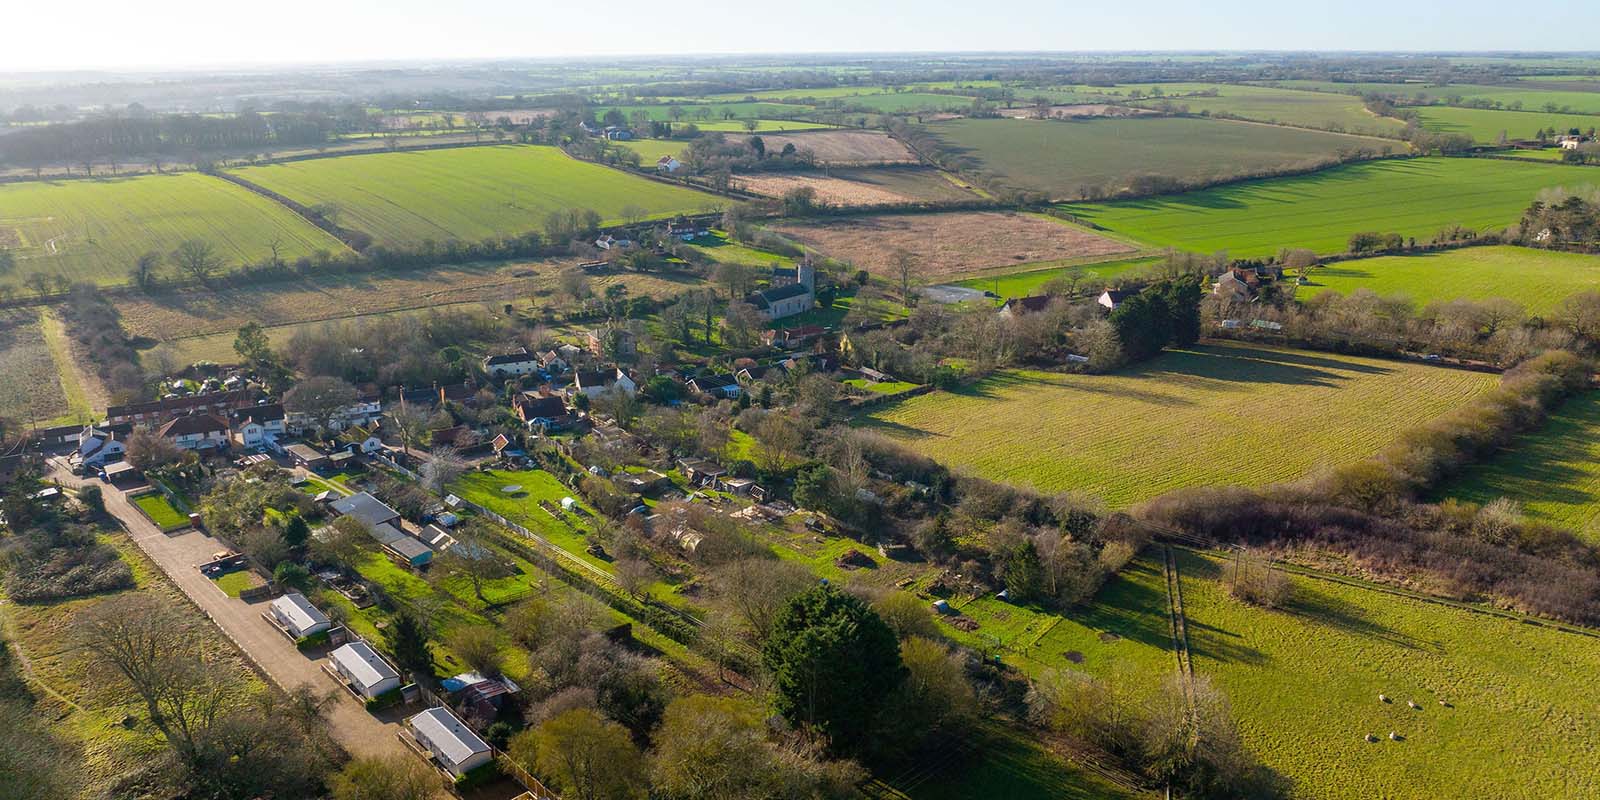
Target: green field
[
  {"x": 1304, "y": 681},
  {"x": 1213, "y": 415},
  {"x": 650, "y": 150},
  {"x": 467, "y": 193},
  {"x": 1023, "y": 284},
  {"x": 691, "y": 112},
  {"x": 1286, "y": 106},
  {"x": 1553, "y": 472},
  {"x": 1061, "y": 157},
  {"x": 1537, "y": 279},
  {"x": 762, "y": 126},
  {"x": 1531, "y": 95},
  {"x": 1485, "y": 126},
  {"x": 1414, "y": 197},
  {"x": 161, "y": 511},
  {"x": 93, "y": 230}
]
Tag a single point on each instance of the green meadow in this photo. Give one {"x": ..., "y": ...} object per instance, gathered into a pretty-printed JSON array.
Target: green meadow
[
  {"x": 1537, "y": 279},
  {"x": 1414, "y": 197},
  {"x": 1061, "y": 158},
  {"x": 1023, "y": 284},
  {"x": 94, "y": 229},
  {"x": 1177, "y": 420},
  {"x": 1285, "y": 106},
  {"x": 1485, "y": 125},
  {"x": 467, "y": 193}
]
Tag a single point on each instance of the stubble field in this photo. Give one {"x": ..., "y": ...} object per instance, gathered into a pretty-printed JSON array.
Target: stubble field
[
  {"x": 867, "y": 186},
  {"x": 1213, "y": 415},
  {"x": 944, "y": 245}
]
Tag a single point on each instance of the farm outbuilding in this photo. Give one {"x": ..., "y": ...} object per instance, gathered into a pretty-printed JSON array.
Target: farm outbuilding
[{"x": 297, "y": 616}]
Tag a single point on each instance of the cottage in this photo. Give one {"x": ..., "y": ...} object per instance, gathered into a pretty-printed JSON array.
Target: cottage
[
  {"x": 778, "y": 302},
  {"x": 297, "y": 616},
  {"x": 552, "y": 361},
  {"x": 617, "y": 340},
  {"x": 505, "y": 365},
  {"x": 368, "y": 510},
  {"x": 451, "y": 743},
  {"x": 793, "y": 337},
  {"x": 305, "y": 455},
  {"x": 686, "y": 229},
  {"x": 1111, "y": 298},
  {"x": 196, "y": 432},
  {"x": 456, "y": 436},
  {"x": 596, "y": 382},
  {"x": 608, "y": 242},
  {"x": 158, "y": 411},
  {"x": 1017, "y": 306},
  {"x": 718, "y": 385},
  {"x": 668, "y": 164},
  {"x": 363, "y": 670},
  {"x": 258, "y": 426},
  {"x": 538, "y": 409},
  {"x": 364, "y": 411}
]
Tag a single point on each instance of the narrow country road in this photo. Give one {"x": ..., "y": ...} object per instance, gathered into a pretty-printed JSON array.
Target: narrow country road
[{"x": 361, "y": 733}]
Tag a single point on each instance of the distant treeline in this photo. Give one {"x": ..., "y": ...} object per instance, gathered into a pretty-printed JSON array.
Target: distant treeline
[{"x": 106, "y": 138}]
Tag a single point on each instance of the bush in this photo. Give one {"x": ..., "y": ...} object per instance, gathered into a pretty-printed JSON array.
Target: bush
[
  {"x": 317, "y": 639},
  {"x": 1256, "y": 582},
  {"x": 385, "y": 700},
  {"x": 478, "y": 776},
  {"x": 70, "y": 562}
]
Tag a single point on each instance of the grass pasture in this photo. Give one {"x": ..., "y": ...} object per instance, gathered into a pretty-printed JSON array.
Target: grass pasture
[
  {"x": 1303, "y": 683},
  {"x": 1023, "y": 284},
  {"x": 93, "y": 230},
  {"x": 160, "y": 511},
  {"x": 1553, "y": 472},
  {"x": 1486, "y": 125},
  {"x": 1537, "y": 279},
  {"x": 1211, "y": 415},
  {"x": 1285, "y": 106},
  {"x": 466, "y": 193},
  {"x": 1414, "y": 197},
  {"x": 1061, "y": 158}
]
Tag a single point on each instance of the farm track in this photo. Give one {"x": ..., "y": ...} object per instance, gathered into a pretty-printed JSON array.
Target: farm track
[{"x": 1179, "y": 625}]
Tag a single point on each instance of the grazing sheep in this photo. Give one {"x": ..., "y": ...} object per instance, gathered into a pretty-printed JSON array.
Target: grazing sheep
[
  {"x": 1383, "y": 698},
  {"x": 1413, "y": 704},
  {"x": 1371, "y": 739},
  {"x": 1395, "y": 737}
]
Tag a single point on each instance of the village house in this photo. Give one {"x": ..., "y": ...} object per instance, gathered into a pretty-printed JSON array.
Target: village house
[
  {"x": 1017, "y": 306},
  {"x": 595, "y": 382},
  {"x": 792, "y": 337},
  {"x": 718, "y": 385},
  {"x": 258, "y": 426},
  {"x": 159, "y": 411},
  {"x": 779, "y": 302},
  {"x": 363, "y": 670},
  {"x": 368, "y": 510},
  {"x": 686, "y": 229},
  {"x": 297, "y": 616},
  {"x": 196, "y": 432},
  {"x": 502, "y": 366},
  {"x": 607, "y": 242},
  {"x": 1111, "y": 298},
  {"x": 622, "y": 339},
  {"x": 553, "y": 361},
  {"x": 304, "y": 455},
  {"x": 1237, "y": 285},
  {"x": 452, "y": 744},
  {"x": 668, "y": 164},
  {"x": 547, "y": 411},
  {"x": 97, "y": 447},
  {"x": 364, "y": 411}
]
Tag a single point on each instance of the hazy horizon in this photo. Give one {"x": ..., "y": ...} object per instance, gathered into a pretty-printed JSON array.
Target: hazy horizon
[{"x": 188, "y": 34}]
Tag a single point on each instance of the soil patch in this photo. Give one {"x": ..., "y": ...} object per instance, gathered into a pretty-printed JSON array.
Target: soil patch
[
  {"x": 1073, "y": 656},
  {"x": 843, "y": 147},
  {"x": 833, "y": 191},
  {"x": 946, "y": 245},
  {"x": 1108, "y": 637}
]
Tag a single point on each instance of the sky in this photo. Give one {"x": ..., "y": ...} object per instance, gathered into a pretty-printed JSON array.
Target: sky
[{"x": 45, "y": 35}]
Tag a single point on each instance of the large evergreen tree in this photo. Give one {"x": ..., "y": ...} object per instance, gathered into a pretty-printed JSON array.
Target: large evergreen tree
[{"x": 833, "y": 663}]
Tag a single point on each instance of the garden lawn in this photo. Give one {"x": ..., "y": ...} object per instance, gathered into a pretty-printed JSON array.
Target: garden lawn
[
  {"x": 1062, "y": 158},
  {"x": 1303, "y": 683},
  {"x": 1414, "y": 197},
  {"x": 568, "y": 533},
  {"x": 94, "y": 230},
  {"x": 1553, "y": 472},
  {"x": 467, "y": 193},
  {"x": 161, "y": 511},
  {"x": 237, "y": 581},
  {"x": 1536, "y": 279},
  {"x": 1210, "y": 415}
]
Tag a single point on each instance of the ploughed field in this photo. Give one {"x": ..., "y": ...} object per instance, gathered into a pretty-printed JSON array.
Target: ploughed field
[
  {"x": 861, "y": 187},
  {"x": 1413, "y": 197},
  {"x": 1210, "y": 415},
  {"x": 1538, "y": 280},
  {"x": 94, "y": 229},
  {"x": 1062, "y": 158},
  {"x": 468, "y": 193}
]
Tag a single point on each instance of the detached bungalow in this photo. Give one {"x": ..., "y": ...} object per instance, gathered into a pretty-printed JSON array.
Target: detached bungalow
[
  {"x": 453, "y": 745},
  {"x": 371, "y": 511},
  {"x": 307, "y": 456},
  {"x": 716, "y": 385},
  {"x": 363, "y": 670},
  {"x": 668, "y": 164},
  {"x": 296, "y": 615},
  {"x": 595, "y": 382},
  {"x": 1111, "y": 298}
]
